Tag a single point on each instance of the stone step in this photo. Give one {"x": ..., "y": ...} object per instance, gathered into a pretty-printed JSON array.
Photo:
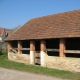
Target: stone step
[{"x": 37, "y": 60}]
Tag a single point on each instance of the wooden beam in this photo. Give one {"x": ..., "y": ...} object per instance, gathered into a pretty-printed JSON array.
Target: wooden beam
[
  {"x": 25, "y": 48},
  {"x": 53, "y": 50},
  {"x": 72, "y": 51},
  {"x": 15, "y": 48}
]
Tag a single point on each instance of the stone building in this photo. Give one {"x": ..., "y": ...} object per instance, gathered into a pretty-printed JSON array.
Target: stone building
[
  {"x": 51, "y": 41},
  {"x": 2, "y": 38}
]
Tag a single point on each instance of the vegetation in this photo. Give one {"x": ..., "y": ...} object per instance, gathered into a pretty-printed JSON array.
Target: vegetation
[{"x": 4, "y": 62}]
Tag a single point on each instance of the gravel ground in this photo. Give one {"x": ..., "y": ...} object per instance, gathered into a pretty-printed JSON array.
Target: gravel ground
[{"x": 7, "y": 74}]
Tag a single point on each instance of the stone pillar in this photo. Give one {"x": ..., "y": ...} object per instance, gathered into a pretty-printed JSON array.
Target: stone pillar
[
  {"x": 9, "y": 47},
  {"x": 43, "y": 49},
  {"x": 19, "y": 47},
  {"x": 62, "y": 47},
  {"x": 32, "y": 52}
]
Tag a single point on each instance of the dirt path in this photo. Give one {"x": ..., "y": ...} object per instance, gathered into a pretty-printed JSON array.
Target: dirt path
[{"x": 7, "y": 74}]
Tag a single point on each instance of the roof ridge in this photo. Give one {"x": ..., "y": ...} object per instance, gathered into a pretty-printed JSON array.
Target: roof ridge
[{"x": 55, "y": 14}]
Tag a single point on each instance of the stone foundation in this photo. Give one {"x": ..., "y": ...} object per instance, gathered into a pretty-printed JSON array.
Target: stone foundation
[
  {"x": 62, "y": 63},
  {"x": 23, "y": 58}
]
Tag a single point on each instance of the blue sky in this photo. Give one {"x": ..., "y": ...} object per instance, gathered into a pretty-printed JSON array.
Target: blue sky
[{"x": 17, "y": 12}]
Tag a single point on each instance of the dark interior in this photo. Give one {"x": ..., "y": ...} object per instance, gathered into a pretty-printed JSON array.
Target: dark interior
[
  {"x": 26, "y": 44},
  {"x": 52, "y": 44},
  {"x": 37, "y": 45},
  {"x": 73, "y": 44},
  {"x": 14, "y": 44}
]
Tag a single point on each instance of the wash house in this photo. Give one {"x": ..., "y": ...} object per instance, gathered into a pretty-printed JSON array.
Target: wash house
[{"x": 51, "y": 41}]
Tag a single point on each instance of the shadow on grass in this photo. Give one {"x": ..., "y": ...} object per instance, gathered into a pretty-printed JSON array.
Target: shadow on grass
[{"x": 1, "y": 53}]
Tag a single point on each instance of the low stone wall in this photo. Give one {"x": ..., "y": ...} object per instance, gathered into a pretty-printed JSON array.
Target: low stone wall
[
  {"x": 23, "y": 58},
  {"x": 62, "y": 63}
]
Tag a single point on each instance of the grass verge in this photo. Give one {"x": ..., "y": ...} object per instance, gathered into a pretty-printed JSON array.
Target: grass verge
[{"x": 4, "y": 62}]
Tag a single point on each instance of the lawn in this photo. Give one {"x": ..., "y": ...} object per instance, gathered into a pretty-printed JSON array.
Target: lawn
[{"x": 4, "y": 62}]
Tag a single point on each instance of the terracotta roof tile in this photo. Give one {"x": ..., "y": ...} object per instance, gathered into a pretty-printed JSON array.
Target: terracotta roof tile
[{"x": 59, "y": 25}]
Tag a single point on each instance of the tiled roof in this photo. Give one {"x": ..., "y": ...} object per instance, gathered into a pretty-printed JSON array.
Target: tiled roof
[
  {"x": 1, "y": 31},
  {"x": 61, "y": 25}
]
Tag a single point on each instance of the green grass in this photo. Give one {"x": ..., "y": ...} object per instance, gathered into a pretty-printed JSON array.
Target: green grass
[{"x": 4, "y": 62}]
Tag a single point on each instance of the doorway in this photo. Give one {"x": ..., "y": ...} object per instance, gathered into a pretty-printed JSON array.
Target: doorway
[{"x": 37, "y": 52}]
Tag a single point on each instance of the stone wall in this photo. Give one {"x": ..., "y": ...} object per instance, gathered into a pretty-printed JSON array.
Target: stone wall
[
  {"x": 62, "y": 63},
  {"x": 3, "y": 45},
  {"x": 23, "y": 58}
]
